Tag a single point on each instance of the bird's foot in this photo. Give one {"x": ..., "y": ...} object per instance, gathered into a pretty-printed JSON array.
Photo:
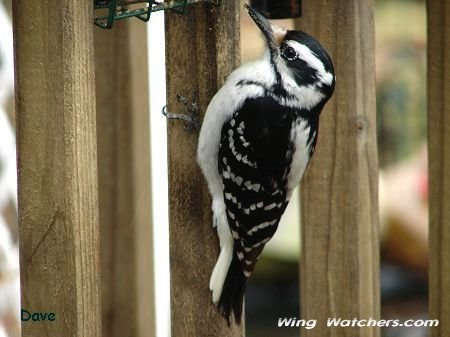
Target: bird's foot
[{"x": 192, "y": 115}]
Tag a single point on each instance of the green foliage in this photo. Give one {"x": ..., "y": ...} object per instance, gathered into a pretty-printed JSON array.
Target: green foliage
[
  {"x": 401, "y": 105},
  {"x": 401, "y": 78}
]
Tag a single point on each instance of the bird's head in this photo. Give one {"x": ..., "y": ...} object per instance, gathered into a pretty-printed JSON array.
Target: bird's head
[{"x": 299, "y": 60}]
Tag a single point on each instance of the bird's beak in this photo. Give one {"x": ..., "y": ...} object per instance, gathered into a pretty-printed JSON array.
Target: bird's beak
[{"x": 273, "y": 33}]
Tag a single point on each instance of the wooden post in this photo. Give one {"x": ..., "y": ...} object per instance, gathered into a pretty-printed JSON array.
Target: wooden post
[
  {"x": 340, "y": 258},
  {"x": 202, "y": 48},
  {"x": 57, "y": 162},
  {"x": 438, "y": 87},
  {"x": 124, "y": 180}
]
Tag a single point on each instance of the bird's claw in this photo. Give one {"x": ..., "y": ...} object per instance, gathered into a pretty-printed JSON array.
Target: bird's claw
[{"x": 191, "y": 118}]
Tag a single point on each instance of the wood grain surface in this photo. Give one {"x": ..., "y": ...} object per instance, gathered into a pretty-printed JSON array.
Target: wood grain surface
[
  {"x": 340, "y": 248},
  {"x": 202, "y": 48},
  {"x": 123, "y": 128},
  {"x": 57, "y": 162},
  {"x": 438, "y": 86}
]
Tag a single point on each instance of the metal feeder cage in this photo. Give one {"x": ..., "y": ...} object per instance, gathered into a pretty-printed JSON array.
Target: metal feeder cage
[{"x": 112, "y": 10}]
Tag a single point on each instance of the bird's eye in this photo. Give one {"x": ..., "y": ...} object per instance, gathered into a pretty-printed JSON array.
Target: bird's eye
[{"x": 289, "y": 53}]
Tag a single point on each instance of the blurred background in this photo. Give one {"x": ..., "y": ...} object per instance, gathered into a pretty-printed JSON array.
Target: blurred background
[{"x": 273, "y": 290}]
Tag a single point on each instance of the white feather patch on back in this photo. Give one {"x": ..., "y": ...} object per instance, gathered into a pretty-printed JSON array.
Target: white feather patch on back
[{"x": 299, "y": 136}]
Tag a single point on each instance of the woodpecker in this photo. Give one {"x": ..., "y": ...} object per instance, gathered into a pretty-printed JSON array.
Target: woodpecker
[{"x": 257, "y": 137}]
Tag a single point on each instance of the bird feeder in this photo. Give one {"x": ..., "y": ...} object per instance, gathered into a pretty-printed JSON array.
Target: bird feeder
[
  {"x": 279, "y": 9},
  {"x": 112, "y": 10}
]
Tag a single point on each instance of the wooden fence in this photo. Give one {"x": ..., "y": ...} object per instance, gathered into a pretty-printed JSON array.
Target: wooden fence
[
  {"x": 340, "y": 267},
  {"x": 202, "y": 48},
  {"x": 84, "y": 190},
  {"x": 438, "y": 87}
]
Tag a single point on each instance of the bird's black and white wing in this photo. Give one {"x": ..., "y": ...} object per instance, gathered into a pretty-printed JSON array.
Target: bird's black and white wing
[{"x": 255, "y": 161}]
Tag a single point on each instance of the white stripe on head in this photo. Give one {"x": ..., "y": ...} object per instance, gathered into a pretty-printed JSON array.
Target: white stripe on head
[
  {"x": 303, "y": 96},
  {"x": 312, "y": 60}
]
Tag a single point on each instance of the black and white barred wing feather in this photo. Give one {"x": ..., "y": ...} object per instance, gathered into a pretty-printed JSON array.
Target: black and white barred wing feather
[{"x": 255, "y": 143}]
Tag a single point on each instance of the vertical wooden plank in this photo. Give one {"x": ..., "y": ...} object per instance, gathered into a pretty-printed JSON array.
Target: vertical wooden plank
[
  {"x": 124, "y": 180},
  {"x": 340, "y": 258},
  {"x": 57, "y": 162},
  {"x": 202, "y": 48},
  {"x": 438, "y": 87}
]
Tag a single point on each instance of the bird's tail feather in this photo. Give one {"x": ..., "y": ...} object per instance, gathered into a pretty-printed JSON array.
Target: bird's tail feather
[
  {"x": 232, "y": 296},
  {"x": 220, "y": 271}
]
